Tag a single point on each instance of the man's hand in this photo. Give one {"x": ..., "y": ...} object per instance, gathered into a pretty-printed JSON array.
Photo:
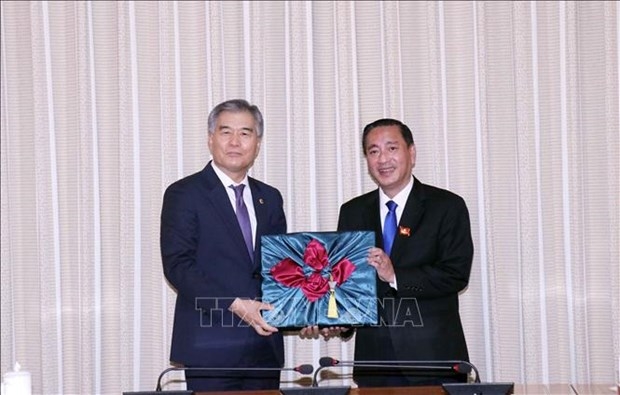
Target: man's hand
[
  {"x": 313, "y": 332},
  {"x": 382, "y": 262},
  {"x": 249, "y": 311}
]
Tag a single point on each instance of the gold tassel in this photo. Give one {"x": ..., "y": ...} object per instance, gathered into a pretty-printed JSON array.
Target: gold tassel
[{"x": 332, "y": 310}]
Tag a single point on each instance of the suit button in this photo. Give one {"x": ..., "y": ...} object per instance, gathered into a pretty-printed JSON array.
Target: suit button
[{"x": 255, "y": 275}]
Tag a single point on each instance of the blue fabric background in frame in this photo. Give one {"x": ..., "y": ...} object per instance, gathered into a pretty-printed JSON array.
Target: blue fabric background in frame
[{"x": 356, "y": 296}]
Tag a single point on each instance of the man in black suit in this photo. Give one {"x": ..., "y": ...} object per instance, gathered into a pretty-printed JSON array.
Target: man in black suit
[
  {"x": 419, "y": 280},
  {"x": 211, "y": 227}
]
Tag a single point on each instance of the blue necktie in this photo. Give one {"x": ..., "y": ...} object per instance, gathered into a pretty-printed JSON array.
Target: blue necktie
[
  {"x": 244, "y": 218},
  {"x": 389, "y": 227}
]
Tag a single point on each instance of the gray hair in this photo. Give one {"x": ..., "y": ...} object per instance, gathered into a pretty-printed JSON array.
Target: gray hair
[{"x": 236, "y": 105}]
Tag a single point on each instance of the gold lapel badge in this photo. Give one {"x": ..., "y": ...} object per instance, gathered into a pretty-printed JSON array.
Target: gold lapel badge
[{"x": 404, "y": 231}]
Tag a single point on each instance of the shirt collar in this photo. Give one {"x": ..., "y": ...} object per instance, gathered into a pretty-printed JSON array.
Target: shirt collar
[
  {"x": 227, "y": 181},
  {"x": 401, "y": 197}
]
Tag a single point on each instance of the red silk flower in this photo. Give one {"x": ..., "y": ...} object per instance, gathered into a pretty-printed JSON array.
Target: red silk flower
[{"x": 314, "y": 286}]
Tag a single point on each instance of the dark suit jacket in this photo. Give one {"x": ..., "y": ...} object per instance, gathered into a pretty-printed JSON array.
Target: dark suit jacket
[
  {"x": 432, "y": 256},
  {"x": 205, "y": 259}
]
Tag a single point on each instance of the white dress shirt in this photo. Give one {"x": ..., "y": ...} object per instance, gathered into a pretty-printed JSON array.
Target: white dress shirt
[
  {"x": 247, "y": 196},
  {"x": 400, "y": 199}
]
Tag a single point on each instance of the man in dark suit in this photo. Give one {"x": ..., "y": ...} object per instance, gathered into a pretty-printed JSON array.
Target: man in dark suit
[
  {"x": 421, "y": 267},
  {"x": 211, "y": 227}
]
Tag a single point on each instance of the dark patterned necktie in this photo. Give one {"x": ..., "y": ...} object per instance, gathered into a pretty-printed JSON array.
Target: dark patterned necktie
[
  {"x": 244, "y": 218},
  {"x": 389, "y": 227}
]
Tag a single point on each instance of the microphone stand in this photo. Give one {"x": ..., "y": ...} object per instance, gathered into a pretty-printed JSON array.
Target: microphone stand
[
  {"x": 430, "y": 365},
  {"x": 161, "y": 375},
  {"x": 302, "y": 369},
  {"x": 385, "y": 365}
]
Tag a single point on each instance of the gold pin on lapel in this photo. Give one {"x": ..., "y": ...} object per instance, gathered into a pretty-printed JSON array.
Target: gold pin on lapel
[{"x": 261, "y": 201}]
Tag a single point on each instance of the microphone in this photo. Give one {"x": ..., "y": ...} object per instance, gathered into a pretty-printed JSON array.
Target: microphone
[
  {"x": 465, "y": 367},
  {"x": 301, "y": 369},
  {"x": 456, "y": 366}
]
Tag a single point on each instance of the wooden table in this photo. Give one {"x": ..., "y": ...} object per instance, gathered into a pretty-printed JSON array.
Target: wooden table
[
  {"x": 520, "y": 389},
  {"x": 544, "y": 389},
  {"x": 596, "y": 389},
  {"x": 352, "y": 391}
]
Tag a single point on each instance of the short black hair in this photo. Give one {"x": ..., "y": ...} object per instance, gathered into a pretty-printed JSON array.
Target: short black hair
[{"x": 404, "y": 130}]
